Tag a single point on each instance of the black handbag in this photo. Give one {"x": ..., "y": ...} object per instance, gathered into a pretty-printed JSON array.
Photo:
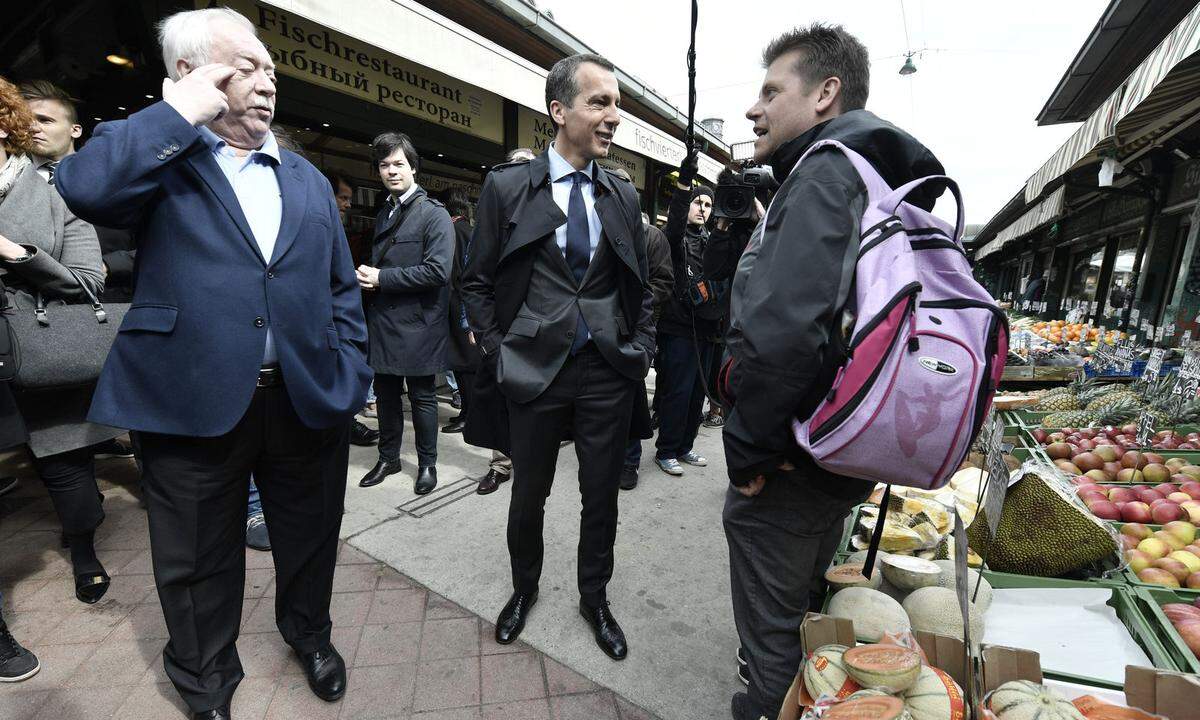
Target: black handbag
[{"x": 63, "y": 346}]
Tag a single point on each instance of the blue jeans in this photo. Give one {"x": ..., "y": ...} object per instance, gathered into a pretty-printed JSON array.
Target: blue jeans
[
  {"x": 254, "y": 507},
  {"x": 451, "y": 380},
  {"x": 679, "y": 387},
  {"x": 633, "y": 454}
]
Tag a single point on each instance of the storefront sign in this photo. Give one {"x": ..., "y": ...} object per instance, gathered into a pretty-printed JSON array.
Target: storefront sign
[
  {"x": 440, "y": 183},
  {"x": 536, "y": 131},
  {"x": 1185, "y": 183},
  {"x": 313, "y": 53}
]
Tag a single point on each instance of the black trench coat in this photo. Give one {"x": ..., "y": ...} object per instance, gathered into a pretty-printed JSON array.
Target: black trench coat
[{"x": 406, "y": 315}]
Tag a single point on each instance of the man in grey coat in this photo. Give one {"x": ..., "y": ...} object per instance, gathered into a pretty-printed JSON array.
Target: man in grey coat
[{"x": 406, "y": 286}]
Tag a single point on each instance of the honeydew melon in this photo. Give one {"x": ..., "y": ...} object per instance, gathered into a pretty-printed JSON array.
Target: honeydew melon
[
  {"x": 936, "y": 610},
  {"x": 872, "y": 612}
]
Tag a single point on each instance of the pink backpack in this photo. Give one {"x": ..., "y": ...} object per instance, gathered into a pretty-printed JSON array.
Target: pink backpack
[{"x": 926, "y": 353}]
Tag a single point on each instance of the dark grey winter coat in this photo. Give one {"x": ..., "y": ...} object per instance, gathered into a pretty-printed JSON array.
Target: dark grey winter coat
[
  {"x": 63, "y": 255},
  {"x": 406, "y": 316}
]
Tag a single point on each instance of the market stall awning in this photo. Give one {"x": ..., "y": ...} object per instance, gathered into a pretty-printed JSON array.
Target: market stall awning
[
  {"x": 1151, "y": 94},
  {"x": 1049, "y": 209}
]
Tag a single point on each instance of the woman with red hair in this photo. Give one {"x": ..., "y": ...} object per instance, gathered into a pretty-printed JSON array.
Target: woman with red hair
[{"x": 46, "y": 251}]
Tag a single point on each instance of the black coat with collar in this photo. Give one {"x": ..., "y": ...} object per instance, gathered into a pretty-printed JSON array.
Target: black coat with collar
[
  {"x": 516, "y": 221},
  {"x": 406, "y": 316}
]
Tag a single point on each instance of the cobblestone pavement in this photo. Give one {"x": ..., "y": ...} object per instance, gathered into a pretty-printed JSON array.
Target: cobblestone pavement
[{"x": 411, "y": 653}]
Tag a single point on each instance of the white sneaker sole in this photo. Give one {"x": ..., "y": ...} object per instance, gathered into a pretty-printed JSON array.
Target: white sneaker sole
[
  {"x": 694, "y": 464},
  {"x": 672, "y": 472},
  {"x": 26, "y": 676}
]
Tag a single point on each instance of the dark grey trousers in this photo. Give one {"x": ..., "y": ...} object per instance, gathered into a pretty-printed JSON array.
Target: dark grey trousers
[{"x": 780, "y": 543}]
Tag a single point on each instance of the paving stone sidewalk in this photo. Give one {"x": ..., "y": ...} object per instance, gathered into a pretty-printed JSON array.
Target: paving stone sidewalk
[{"x": 411, "y": 653}]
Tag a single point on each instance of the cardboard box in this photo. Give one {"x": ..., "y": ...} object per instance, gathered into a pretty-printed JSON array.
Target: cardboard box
[{"x": 1175, "y": 696}]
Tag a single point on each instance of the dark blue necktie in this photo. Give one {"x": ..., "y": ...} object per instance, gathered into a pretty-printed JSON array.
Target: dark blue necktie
[{"x": 579, "y": 248}]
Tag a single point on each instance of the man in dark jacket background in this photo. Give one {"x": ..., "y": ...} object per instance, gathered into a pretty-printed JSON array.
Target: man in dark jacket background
[
  {"x": 406, "y": 313},
  {"x": 783, "y": 514},
  {"x": 463, "y": 355}
]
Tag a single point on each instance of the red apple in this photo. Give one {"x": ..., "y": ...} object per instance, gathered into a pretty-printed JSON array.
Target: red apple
[
  {"x": 1179, "y": 498},
  {"x": 1158, "y": 576},
  {"x": 1148, "y": 495},
  {"x": 1136, "y": 512},
  {"x": 1191, "y": 487},
  {"x": 1193, "y": 582},
  {"x": 1122, "y": 494},
  {"x": 1133, "y": 459},
  {"x": 1105, "y": 510},
  {"x": 1136, "y": 530},
  {"x": 1173, "y": 566}
]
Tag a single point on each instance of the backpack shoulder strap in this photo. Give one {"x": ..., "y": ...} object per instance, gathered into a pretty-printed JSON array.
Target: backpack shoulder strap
[
  {"x": 894, "y": 198},
  {"x": 877, "y": 187}
]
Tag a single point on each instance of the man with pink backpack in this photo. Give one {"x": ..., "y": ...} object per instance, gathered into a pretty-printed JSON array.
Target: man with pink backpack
[{"x": 861, "y": 350}]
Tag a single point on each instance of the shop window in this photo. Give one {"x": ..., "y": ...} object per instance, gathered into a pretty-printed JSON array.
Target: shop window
[
  {"x": 1085, "y": 274},
  {"x": 1122, "y": 273}
]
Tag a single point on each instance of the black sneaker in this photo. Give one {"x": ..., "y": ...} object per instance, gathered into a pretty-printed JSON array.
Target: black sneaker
[
  {"x": 456, "y": 400},
  {"x": 257, "y": 537},
  {"x": 629, "y": 478},
  {"x": 112, "y": 449},
  {"x": 16, "y": 663},
  {"x": 743, "y": 708},
  {"x": 712, "y": 420}
]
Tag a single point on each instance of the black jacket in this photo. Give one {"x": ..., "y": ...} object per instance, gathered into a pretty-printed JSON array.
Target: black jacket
[
  {"x": 687, "y": 242},
  {"x": 464, "y": 356},
  {"x": 406, "y": 316},
  {"x": 783, "y": 337},
  {"x": 662, "y": 276},
  {"x": 515, "y": 226}
]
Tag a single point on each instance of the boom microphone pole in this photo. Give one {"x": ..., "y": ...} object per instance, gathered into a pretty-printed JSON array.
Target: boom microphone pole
[{"x": 690, "y": 137}]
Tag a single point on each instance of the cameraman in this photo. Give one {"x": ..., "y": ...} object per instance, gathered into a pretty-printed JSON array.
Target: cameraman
[
  {"x": 690, "y": 326},
  {"x": 783, "y": 514}
]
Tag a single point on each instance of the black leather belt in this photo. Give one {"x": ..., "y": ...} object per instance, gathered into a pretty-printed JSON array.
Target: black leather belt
[{"x": 270, "y": 377}]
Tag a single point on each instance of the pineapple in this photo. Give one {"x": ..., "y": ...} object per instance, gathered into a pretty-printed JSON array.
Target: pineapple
[
  {"x": 1116, "y": 413},
  {"x": 1074, "y": 418},
  {"x": 1059, "y": 403}
]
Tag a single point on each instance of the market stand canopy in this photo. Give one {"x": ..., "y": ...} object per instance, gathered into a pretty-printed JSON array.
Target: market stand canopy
[
  {"x": 1047, "y": 210},
  {"x": 1162, "y": 92}
]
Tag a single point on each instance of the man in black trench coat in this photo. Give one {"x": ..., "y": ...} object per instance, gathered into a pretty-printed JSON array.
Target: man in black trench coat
[{"x": 557, "y": 296}]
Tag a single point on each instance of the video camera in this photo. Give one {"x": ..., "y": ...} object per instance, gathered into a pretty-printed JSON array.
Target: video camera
[{"x": 736, "y": 191}]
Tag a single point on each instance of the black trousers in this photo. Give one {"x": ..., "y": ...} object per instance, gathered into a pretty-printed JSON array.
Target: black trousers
[
  {"x": 679, "y": 387},
  {"x": 389, "y": 403},
  {"x": 466, "y": 386},
  {"x": 70, "y": 479},
  {"x": 196, "y": 490},
  {"x": 780, "y": 543},
  {"x": 596, "y": 401}
]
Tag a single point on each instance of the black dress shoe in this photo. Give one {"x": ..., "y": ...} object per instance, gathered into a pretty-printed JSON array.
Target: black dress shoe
[
  {"x": 456, "y": 425},
  {"x": 91, "y": 586},
  {"x": 381, "y": 470},
  {"x": 362, "y": 435},
  {"x": 512, "y": 618},
  {"x": 221, "y": 713},
  {"x": 608, "y": 633},
  {"x": 456, "y": 400},
  {"x": 426, "y": 480},
  {"x": 490, "y": 482},
  {"x": 326, "y": 672}
]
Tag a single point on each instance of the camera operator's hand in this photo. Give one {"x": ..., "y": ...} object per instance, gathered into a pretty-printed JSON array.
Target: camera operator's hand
[{"x": 688, "y": 169}]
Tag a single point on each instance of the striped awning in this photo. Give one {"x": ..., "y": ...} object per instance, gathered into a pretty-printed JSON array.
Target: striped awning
[
  {"x": 1047, "y": 210},
  {"x": 1160, "y": 93}
]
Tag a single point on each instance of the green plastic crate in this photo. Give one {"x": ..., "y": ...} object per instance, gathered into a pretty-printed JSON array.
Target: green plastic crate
[
  {"x": 1127, "y": 606},
  {"x": 1152, "y": 601}
]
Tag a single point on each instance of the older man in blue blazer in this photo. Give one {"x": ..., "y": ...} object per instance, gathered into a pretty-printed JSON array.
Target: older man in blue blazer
[{"x": 242, "y": 352}]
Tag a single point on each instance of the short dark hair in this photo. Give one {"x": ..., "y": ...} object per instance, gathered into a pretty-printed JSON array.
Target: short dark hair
[
  {"x": 46, "y": 90},
  {"x": 827, "y": 51},
  {"x": 335, "y": 178},
  {"x": 387, "y": 143},
  {"x": 457, "y": 202},
  {"x": 560, "y": 83}
]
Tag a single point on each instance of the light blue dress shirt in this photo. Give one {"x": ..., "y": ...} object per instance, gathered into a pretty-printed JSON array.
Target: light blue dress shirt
[
  {"x": 560, "y": 188},
  {"x": 257, "y": 189}
]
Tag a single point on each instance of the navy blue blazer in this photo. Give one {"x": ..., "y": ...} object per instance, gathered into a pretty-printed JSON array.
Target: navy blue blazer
[{"x": 186, "y": 359}]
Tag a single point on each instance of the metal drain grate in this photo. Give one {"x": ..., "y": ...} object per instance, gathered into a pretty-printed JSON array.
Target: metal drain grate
[{"x": 441, "y": 497}]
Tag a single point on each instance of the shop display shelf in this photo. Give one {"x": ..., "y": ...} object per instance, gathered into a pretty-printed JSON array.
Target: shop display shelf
[{"x": 1152, "y": 600}]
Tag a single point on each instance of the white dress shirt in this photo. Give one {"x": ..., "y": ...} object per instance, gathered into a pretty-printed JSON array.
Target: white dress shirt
[
  {"x": 257, "y": 189},
  {"x": 560, "y": 188}
]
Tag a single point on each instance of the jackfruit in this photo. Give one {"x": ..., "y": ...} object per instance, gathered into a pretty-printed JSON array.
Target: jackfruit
[{"x": 1042, "y": 532}]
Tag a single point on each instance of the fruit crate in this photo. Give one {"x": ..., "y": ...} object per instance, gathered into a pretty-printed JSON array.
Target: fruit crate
[
  {"x": 1127, "y": 606},
  {"x": 1151, "y": 601},
  {"x": 848, "y": 531},
  {"x": 1137, "y": 584}
]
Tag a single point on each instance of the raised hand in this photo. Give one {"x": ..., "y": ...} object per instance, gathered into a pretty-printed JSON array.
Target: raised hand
[{"x": 197, "y": 96}]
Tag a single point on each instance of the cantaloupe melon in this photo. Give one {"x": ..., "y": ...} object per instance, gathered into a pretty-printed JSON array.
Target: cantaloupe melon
[
  {"x": 1026, "y": 700},
  {"x": 826, "y": 675},
  {"x": 872, "y": 612},
  {"x": 883, "y": 667},
  {"x": 934, "y": 696},
  {"x": 868, "y": 708},
  {"x": 861, "y": 557},
  {"x": 936, "y": 610},
  {"x": 910, "y": 573},
  {"x": 946, "y": 580},
  {"x": 849, "y": 575},
  {"x": 868, "y": 692}
]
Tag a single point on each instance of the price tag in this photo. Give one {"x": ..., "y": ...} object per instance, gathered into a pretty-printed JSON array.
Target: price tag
[
  {"x": 1026, "y": 341},
  {"x": 1025, "y": 305},
  {"x": 1043, "y": 306},
  {"x": 1170, "y": 331},
  {"x": 1093, "y": 307},
  {"x": 1154, "y": 365},
  {"x": 1159, "y": 334},
  {"x": 1134, "y": 316},
  {"x": 1145, "y": 429},
  {"x": 997, "y": 488}
]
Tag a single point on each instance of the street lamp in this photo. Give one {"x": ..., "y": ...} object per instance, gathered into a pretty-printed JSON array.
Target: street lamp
[{"x": 908, "y": 68}]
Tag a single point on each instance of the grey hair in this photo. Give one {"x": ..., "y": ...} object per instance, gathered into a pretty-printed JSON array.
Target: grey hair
[{"x": 187, "y": 35}]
